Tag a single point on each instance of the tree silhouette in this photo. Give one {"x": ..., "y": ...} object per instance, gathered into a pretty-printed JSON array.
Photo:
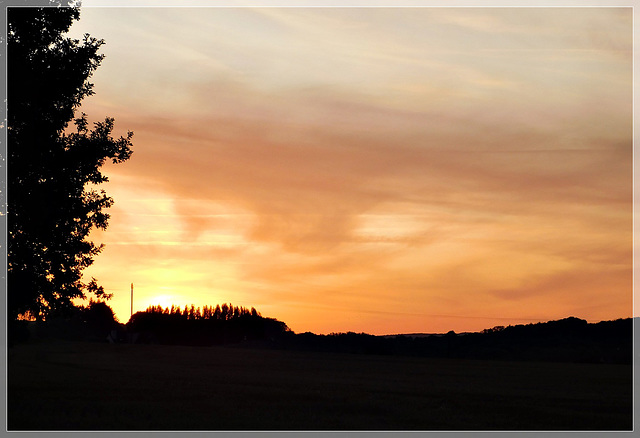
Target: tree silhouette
[
  {"x": 53, "y": 170},
  {"x": 224, "y": 311},
  {"x": 205, "y": 326},
  {"x": 99, "y": 318}
]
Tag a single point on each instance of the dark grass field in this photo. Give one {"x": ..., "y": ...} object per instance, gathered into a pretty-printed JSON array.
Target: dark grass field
[{"x": 93, "y": 386}]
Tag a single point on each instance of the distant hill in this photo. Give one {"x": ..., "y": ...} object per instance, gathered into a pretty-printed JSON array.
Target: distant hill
[
  {"x": 412, "y": 335},
  {"x": 566, "y": 340}
]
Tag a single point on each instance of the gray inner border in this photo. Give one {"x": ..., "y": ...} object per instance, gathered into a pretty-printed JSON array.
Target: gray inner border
[{"x": 286, "y": 3}]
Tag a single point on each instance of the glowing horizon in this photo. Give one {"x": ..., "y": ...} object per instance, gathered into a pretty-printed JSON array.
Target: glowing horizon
[{"x": 374, "y": 170}]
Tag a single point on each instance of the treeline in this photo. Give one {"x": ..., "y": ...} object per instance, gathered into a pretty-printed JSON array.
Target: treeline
[
  {"x": 224, "y": 312},
  {"x": 222, "y": 324},
  {"x": 566, "y": 340}
]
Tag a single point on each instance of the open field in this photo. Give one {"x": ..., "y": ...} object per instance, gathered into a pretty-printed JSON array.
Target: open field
[{"x": 93, "y": 386}]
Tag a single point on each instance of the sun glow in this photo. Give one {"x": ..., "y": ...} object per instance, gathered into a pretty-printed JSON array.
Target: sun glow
[{"x": 162, "y": 300}]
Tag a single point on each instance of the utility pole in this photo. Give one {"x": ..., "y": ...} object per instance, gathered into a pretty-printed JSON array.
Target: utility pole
[{"x": 131, "y": 299}]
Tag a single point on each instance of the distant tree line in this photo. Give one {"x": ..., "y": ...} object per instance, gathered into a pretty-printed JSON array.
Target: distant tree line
[
  {"x": 222, "y": 324},
  {"x": 566, "y": 340}
]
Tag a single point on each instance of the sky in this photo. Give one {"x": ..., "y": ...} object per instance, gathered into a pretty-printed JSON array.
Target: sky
[{"x": 378, "y": 170}]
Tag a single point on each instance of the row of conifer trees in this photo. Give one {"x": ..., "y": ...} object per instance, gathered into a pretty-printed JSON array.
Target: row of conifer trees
[{"x": 222, "y": 312}]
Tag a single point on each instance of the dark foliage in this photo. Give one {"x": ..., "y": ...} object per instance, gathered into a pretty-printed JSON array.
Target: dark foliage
[
  {"x": 93, "y": 322},
  {"x": 99, "y": 319},
  {"x": 224, "y": 324},
  {"x": 566, "y": 340},
  {"x": 53, "y": 170}
]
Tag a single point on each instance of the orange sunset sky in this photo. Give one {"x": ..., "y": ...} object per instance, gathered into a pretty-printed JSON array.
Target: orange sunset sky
[{"x": 379, "y": 170}]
